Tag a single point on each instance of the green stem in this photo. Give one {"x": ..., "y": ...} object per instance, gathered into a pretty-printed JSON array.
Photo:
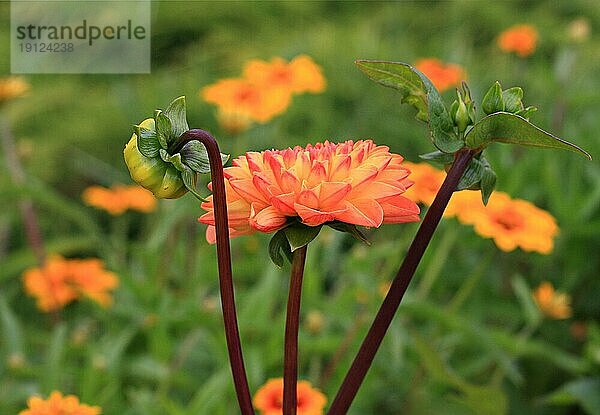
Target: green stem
[
  {"x": 292, "y": 323},
  {"x": 437, "y": 264},
  {"x": 469, "y": 285},
  {"x": 372, "y": 341}
]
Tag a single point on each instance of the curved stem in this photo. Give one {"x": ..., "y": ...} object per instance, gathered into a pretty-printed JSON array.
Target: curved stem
[
  {"x": 232, "y": 334},
  {"x": 364, "y": 358},
  {"x": 290, "y": 360}
]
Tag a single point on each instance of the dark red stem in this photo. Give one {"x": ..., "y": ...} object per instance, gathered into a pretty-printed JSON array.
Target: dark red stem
[
  {"x": 290, "y": 352},
  {"x": 232, "y": 333},
  {"x": 364, "y": 358}
]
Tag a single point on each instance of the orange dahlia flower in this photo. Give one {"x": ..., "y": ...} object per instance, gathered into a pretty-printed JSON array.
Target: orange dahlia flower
[
  {"x": 269, "y": 398},
  {"x": 443, "y": 75},
  {"x": 358, "y": 183},
  {"x": 57, "y": 404},
  {"x": 300, "y": 75},
  {"x": 552, "y": 303},
  {"x": 512, "y": 223},
  {"x": 61, "y": 281},
  {"x": 12, "y": 87},
  {"x": 119, "y": 198},
  {"x": 246, "y": 99},
  {"x": 521, "y": 39}
]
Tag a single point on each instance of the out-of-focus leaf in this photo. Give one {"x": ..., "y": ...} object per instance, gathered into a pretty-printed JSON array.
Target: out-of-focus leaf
[
  {"x": 585, "y": 392},
  {"x": 523, "y": 292}
]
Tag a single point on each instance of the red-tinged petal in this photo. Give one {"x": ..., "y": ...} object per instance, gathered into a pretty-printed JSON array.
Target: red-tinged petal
[
  {"x": 363, "y": 212},
  {"x": 211, "y": 234},
  {"x": 245, "y": 189},
  {"x": 309, "y": 198},
  {"x": 401, "y": 211},
  {"x": 333, "y": 192},
  {"x": 318, "y": 173},
  {"x": 363, "y": 175},
  {"x": 375, "y": 190},
  {"x": 314, "y": 217},
  {"x": 268, "y": 220},
  {"x": 288, "y": 182},
  {"x": 263, "y": 185},
  {"x": 285, "y": 203},
  {"x": 340, "y": 168}
]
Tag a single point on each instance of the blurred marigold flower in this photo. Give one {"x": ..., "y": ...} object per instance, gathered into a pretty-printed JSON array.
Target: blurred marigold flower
[
  {"x": 511, "y": 223},
  {"x": 358, "y": 183},
  {"x": 300, "y": 75},
  {"x": 269, "y": 398},
  {"x": 57, "y": 404},
  {"x": 520, "y": 39},
  {"x": 553, "y": 304},
  {"x": 12, "y": 87},
  {"x": 443, "y": 75},
  {"x": 428, "y": 181},
  {"x": 61, "y": 281},
  {"x": 119, "y": 198},
  {"x": 246, "y": 99}
]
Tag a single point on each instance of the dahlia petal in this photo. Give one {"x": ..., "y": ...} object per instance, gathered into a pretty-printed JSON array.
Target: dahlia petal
[
  {"x": 362, "y": 175},
  {"x": 363, "y": 212},
  {"x": 268, "y": 220},
  {"x": 288, "y": 181},
  {"x": 375, "y": 190},
  {"x": 285, "y": 203},
  {"x": 309, "y": 197},
  {"x": 246, "y": 189},
  {"x": 333, "y": 192},
  {"x": 314, "y": 217}
]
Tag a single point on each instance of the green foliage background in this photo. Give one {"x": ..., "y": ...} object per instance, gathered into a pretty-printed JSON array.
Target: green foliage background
[{"x": 467, "y": 340}]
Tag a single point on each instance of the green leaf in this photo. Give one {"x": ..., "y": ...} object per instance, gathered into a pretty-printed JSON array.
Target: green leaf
[
  {"x": 163, "y": 129},
  {"x": 493, "y": 101},
  {"x": 417, "y": 90},
  {"x": 472, "y": 175},
  {"x": 509, "y": 128},
  {"x": 488, "y": 183},
  {"x": 512, "y": 99},
  {"x": 438, "y": 157},
  {"x": 299, "y": 235},
  {"x": 351, "y": 229},
  {"x": 479, "y": 176},
  {"x": 279, "y": 248},
  {"x": 531, "y": 311},
  {"x": 176, "y": 114},
  {"x": 581, "y": 391},
  {"x": 147, "y": 141},
  {"x": 195, "y": 156}
]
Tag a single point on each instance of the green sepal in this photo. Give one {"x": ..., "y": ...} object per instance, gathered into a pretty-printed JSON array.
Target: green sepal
[
  {"x": 189, "y": 179},
  {"x": 504, "y": 127},
  {"x": 163, "y": 129},
  {"x": 512, "y": 99},
  {"x": 488, "y": 183},
  {"x": 195, "y": 156},
  {"x": 438, "y": 157},
  {"x": 493, "y": 100},
  {"x": 417, "y": 90},
  {"x": 349, "y": 228},
  {"x": 472, "y": 176},
  {"x": 147, "y": 141},
  {"x": 299, "y": 235},
  {"x": 279, "y": 248},
  {"x": 526, "y": 113},
  {"x": 176, "y": 114}
]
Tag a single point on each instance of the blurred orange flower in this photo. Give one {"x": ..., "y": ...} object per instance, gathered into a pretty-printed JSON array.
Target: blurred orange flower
[
  {"x": 245, "y": 99},
  {"x": 269, "y": 398},
  {"x": 12, "y": 87},
  {"x": 358, "y": 183},
  {"x": 300, "y": 75},
  {"x": 511, "y": 223},
  {"x": 443, "y": 75},
  {"x": 57, "y": 404},
  {"x": 117, "y": 199},
  {"x": 553, "y": 304},
  {"x": 521, "y": 39},
  {"x": 428, "y": 181},
  {"x": 61, "y": 281}
]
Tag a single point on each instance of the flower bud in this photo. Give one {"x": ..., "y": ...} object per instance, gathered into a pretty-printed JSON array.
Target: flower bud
[
  {"x": 152, "y": 173},
  {"x": 493, "y": 101}
]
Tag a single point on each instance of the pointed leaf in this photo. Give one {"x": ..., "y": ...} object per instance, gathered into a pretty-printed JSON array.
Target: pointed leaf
[
  {"x": 163, "y": 129},
  {"x": 189, "y": 179},
  {"x": 351, "y": 229},
  {"x": 417, "y": 90},
  {"x": 488, "y": 183},
  {"x": 147, "y": 141},
  {"x": 509, "y": 128},
  {"x": 472, "y": 175},
  {"x": 176, "y": 114},
  {"x": 279, "y": 245},
  {"x": 438, "y": 157},
  {"x": 299, "y": 235},
  {"x": 512, "y": 99}
]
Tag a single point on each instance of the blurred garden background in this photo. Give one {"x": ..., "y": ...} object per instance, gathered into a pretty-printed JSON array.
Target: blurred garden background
[{"x": 469, "y": 338}]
